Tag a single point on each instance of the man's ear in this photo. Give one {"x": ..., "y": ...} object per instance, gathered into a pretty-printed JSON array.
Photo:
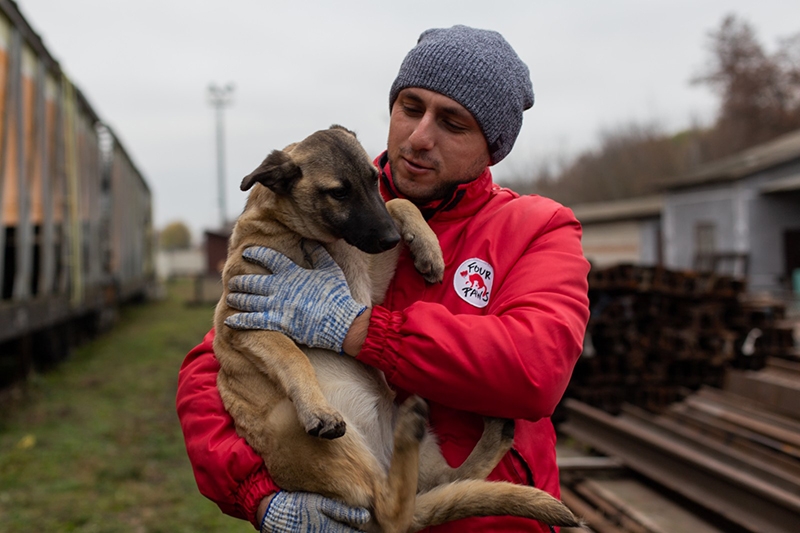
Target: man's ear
[{"x": 278, "y": 172}]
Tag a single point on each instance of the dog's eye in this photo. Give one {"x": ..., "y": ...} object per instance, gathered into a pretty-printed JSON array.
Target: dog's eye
[{"x": 339, "y": 193}]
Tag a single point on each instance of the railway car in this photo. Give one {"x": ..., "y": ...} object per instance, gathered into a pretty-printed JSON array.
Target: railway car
[{"x": 76, "y": 239}]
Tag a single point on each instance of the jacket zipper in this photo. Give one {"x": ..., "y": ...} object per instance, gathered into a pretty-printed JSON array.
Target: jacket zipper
[
  {"x": 528, "y": 472},
  {"x": 528, "y": 475}
]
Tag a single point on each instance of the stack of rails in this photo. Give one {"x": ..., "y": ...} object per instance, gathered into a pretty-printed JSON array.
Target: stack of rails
[{"x": 655, "y": 333}]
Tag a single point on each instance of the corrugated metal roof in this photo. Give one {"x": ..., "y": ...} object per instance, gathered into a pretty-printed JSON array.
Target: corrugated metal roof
[
  {"x": 746, "y": 163},
  {"x": 628, "y": 209}
]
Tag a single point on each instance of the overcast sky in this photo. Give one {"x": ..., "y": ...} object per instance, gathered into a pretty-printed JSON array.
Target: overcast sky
[{"x": 298, "y": 66}]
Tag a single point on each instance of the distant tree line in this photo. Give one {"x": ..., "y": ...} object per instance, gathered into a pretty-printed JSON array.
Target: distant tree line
[
  {"x": 759, "y": 100},
  {"x": 175, "y": 236}
]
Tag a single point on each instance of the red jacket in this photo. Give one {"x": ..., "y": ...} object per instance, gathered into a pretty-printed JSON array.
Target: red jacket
[{"x": 499, "y": 337}]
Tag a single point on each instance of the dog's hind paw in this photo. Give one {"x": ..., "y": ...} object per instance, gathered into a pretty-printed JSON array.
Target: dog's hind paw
[
  {"x": 508, "y": 429},
  {"x": 412, "y": 419},
  {"x": 325, "y": 425}
]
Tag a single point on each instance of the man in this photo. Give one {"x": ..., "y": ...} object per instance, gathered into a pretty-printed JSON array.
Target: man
[{"x": 499, "y": 337}]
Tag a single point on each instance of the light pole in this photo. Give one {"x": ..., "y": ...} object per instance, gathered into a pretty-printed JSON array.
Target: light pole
[{"x": 220, "y": 98}]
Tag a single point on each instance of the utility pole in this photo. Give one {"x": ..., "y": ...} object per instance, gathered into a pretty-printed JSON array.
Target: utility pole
[{"x": 220, "y": 98}]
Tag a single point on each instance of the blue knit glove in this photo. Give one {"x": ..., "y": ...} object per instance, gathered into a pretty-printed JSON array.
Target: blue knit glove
[
  {"x": 305, "y": 512},
  {"x": 313, "y": 307}
]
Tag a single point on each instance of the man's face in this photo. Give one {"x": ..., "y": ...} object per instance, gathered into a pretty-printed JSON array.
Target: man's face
[{"x": 434, "y": 143}]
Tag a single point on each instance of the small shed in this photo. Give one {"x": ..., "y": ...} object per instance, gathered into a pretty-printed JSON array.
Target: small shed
[{"x": 216, "y": 244}]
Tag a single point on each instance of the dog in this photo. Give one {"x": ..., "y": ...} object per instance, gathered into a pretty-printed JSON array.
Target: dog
[{"x": 324, "y": 422}]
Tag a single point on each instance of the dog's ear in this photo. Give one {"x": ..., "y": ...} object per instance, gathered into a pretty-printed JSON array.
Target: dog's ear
[{"x": 278, "y": 172}]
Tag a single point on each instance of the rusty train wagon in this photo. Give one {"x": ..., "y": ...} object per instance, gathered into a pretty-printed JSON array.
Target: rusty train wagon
[{"x": 76, "y": 238}]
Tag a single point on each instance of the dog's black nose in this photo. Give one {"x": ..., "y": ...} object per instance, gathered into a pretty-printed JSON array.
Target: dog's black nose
[{"x": 388, "y": 243}]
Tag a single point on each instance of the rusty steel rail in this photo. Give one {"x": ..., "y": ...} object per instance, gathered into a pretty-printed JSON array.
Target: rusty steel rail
[
  {"x": 788, "y": 439},
  {"x": 790, "y": 368},
  {"x": 739, "y": 496},
  {"x": 624, "y": 514},
  {"x": 599, "y": 523},
  {"x": 767, "y": 453},
  {"x": 746, "y": 405},
  {"x": 780, "y": 391},
  {"x": 768, "y": 471}
]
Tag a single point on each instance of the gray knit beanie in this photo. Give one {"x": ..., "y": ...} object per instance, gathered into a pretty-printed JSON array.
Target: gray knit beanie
[{"x": 479, "y": 70}]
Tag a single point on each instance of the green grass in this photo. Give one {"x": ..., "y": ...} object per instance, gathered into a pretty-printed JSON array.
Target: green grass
[{"x": 95, "y": 445}]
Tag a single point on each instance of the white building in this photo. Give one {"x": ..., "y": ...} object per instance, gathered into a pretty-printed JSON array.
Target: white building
[{"x": 624, "y": 231}]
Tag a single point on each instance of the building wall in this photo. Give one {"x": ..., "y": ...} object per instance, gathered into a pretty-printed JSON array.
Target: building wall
[
  {"x": 723, "y": 206},
  {"x": 651, "y": 252}
]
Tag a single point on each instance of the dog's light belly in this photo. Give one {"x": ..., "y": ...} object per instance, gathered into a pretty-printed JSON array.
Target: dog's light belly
[{"x": 360, "y": 393}]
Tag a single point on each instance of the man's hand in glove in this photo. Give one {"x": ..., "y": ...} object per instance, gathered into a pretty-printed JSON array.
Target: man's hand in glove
[
  {"x": 313, "y": 307},
  {"x": 304, "y": 512}
]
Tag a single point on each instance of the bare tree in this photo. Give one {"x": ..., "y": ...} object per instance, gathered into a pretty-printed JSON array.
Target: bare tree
[
  {"x": 759, "y": 92},
  {"x": 631, "y": 161},
  {"x": 759, "y": 100}
]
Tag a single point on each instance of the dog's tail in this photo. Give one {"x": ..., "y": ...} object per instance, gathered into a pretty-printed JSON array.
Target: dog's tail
[{"x": 462, "y": 499}]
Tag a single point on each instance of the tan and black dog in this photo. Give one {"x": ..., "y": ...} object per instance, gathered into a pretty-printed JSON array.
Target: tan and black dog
[{"x": 324, "y": 422}]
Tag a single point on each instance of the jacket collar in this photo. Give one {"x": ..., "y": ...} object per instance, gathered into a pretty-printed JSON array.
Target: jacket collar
[{"x": 462, "y": 200}]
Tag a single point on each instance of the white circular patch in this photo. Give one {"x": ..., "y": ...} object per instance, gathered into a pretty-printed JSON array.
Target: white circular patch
[{"x": 473, "y": 281}]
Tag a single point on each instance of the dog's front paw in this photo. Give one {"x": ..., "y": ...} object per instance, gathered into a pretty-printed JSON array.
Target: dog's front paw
[
  {"x": 427, "y": 257},
  {"x": 326, "y": 425}
]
